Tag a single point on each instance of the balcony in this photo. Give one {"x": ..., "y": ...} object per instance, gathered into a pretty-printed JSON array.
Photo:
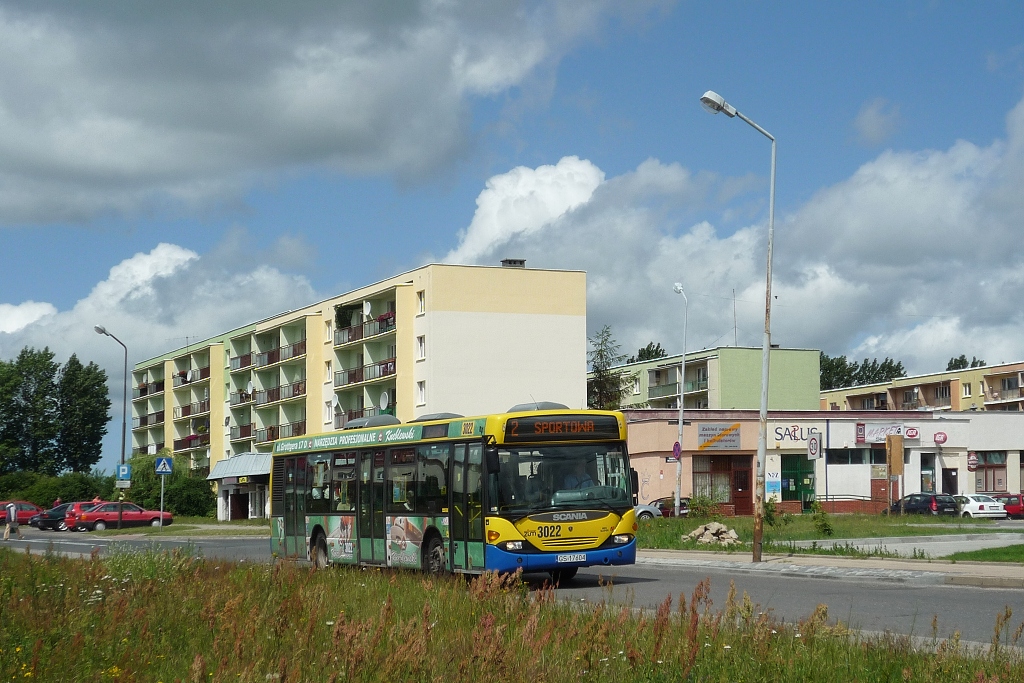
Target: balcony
[
  {"x": 340, "y": 420},
  {"x": 281, "y": 353},
  {"x": 148, "y": 389},
  {"x": 281, "y": 393},
  {"x": 184, "y": 377},
  {"x": 663, "y": 390},
  {"x": 144, "y": 450},
  {"x": 239, "y": 398},
  {"x": 241, "y": 362},
  {"x": 243, "y": 432},
  {"x": 148, "y": 420},
  {"x": 367, "y": 373},
  {"x": 382, "y": 325},
  {"x": 699, "y": 385},
  {"x": 192, "y": 409},
  {"x": 191, "y": 441},
  {"x": 275, "y": 432},
  {"x": 1010, "y": 394}
]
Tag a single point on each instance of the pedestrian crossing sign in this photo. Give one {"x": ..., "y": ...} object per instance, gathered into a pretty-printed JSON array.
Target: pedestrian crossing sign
[{"x": 163, "y": 465}]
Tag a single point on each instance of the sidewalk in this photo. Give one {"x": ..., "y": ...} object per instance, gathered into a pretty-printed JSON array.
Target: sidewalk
[{"x": 979, "y": 574}]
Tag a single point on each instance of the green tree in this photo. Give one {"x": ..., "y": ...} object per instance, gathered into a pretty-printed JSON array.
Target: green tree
[
  {"x": 650, "y": 352},
  {"x": 191, "y": 497},
  {"x": 84, "y": 411},
  {"x": 962, "y": 363},
  {"x": 32, "y": 415},
  {"x": 605, "y": 387},
  {"x": 837, "y": 371}
]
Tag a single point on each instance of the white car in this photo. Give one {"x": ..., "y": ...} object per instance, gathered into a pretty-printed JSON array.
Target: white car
[{"x": 978, "y": 505}]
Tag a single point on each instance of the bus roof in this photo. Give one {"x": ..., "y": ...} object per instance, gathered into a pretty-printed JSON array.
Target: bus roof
[{"x": 526, "y": 426}]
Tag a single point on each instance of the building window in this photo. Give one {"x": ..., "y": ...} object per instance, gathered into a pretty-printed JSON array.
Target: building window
[
  {"x": 967, "y": 389},
  {"x": 636, "y": 385},
  {"x": 928, "y": 473},
  {"x": 942, "y": 391},
  {"x": 1008, "y": 383},
  {"x": 867, "y": 403},
  {"x": 847, "y": 456},
  {"x": 328, "y": 412},
  {"x": 711, "y": 482},
  {"x": 421, "y": 393},
  {"x": 328, "y": 331},
  {"x": 421, "y": 301},
  {"x": 421, "y": 347},
  {"x": 328, "y": 371},
  {"x": 991, "y": 472}
]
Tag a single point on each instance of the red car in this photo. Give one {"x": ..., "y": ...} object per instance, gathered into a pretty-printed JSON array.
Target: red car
[
  {"x": 1013, "y": 502},
  {"x": 667, "y": 506},
  {"x": 26, "y": 510},
  {"x": 105, "y": 516},
  {"x": 74, "y": 510}
]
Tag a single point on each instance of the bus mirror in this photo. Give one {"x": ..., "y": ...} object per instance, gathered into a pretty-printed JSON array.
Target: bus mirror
[
  {"x": 634, "y": 480},
  {"x": 491, "y": 460}
]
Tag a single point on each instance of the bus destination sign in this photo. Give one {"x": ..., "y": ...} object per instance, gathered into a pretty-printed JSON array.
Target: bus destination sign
[{"x": 561, "y": 428}]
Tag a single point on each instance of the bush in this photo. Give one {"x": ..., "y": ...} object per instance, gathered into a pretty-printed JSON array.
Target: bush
[
  {"x": 702, "y": 507},
  {"x": 821, "y": 520},
  {"x": 191, "y": 497}
]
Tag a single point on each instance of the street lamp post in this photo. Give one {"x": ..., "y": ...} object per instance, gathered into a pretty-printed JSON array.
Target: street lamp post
[
  {"x": 678, "y": 289},
  {"x": 715, "y": 103},
  {"x": 124, "y": 406}
]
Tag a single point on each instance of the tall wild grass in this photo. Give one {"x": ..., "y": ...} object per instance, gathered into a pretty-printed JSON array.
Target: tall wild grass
[{"x": 151, "y": 616}]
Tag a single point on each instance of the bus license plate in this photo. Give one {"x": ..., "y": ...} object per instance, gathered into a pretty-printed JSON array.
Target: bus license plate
[{"x": 577, "y": 557}]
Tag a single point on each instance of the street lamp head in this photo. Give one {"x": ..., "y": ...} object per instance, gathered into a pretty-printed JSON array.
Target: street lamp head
[
  {"x": 715, "y": 103},
  {"x": 100, "y": 329},
  {"x": 677, "y": 288}
]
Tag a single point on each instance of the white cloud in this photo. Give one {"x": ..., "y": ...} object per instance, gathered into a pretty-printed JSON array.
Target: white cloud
[
  {"x": 877, "y": 121},
  {"x": 14, "y": 318},
  {"x": 111, "y": 109},
  {"x": 914, "y": 256}
]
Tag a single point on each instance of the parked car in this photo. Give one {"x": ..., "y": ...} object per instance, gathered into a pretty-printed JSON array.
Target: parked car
[
  {"x": 1013, "y": 502},
  {"x": 667, "y": 506},
  {"x": 51, "y": 519},
  {"x": 978, "y": 505},
  {"x": 924, "y": 504},
  {"x": 106, "y": 515},
  {"x": 75, "y": 510},
  {"x": 645, "y": 511},
  {"x": 25, "y": 510}
]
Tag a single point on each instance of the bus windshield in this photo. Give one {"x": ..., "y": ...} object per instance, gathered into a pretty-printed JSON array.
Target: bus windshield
[{"x": 534, "y": 478}]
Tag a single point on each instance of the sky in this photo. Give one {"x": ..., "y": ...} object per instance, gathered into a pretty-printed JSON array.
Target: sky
[{"x": 173, "y": 170}]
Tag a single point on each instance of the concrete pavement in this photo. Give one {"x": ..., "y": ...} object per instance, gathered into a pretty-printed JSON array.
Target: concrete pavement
[{"x": 902, "y": 570}]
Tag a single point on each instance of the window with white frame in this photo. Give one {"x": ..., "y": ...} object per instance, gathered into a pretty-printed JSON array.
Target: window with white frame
[
  {"x": 328, "y": 412},
  {"x": 328, "y": 331},
  {"x": 421, "y": 347},
  {"x": 942, "y": 391},
  {"x": 636, "y": 385},
  {"x": 967, "y": 389},
  {"x": 421, "y": 393},
  {"x": 421, "y": 301},
  {"x": 328, "y": 371}
]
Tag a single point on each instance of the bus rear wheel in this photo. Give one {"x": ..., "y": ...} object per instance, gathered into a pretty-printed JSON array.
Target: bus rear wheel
[
  {"x": 320, "y": 560},
  {"x": 433, "y": 556},
  {"x": 563, "y": 576}
]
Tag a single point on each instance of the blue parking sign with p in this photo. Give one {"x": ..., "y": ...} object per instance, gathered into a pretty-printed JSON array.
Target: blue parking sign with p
[
  {"x": 163, "y": 465},
  {"x": 124, "y": 471}
]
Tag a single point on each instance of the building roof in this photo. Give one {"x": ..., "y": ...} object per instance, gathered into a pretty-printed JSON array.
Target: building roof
[{"x": 241, "y": 465}]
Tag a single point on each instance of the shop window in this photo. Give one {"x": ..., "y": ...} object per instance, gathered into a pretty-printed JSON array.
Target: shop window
[
  {"x": 848, "y": 456},
  {"x": 928, "y": 473},
  {"x": 991, "y": 472},
  {"x": 878, "y": 457},
  {"x": 712, "y": 479}
]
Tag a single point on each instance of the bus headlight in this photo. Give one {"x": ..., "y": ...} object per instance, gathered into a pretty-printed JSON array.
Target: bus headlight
[
  {"x": 621, "y": 538},
  {"x": 513, "y": 545}
]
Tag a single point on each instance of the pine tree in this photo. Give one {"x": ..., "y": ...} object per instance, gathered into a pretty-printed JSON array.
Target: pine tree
[{"x": 605, "y": 388}]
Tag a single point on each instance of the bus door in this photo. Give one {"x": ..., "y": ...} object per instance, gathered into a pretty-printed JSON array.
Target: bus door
[
  {"x": 467, "y": 510},
  {"x": 294, "y": 506},
  {"x": 371, "y": 507}
]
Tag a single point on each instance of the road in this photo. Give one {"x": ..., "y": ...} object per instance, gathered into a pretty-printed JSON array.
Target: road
[{"x": 901, "y": 602}]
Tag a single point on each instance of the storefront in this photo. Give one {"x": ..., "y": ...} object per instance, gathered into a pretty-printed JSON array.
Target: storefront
[{"x": 243, "y": 486}]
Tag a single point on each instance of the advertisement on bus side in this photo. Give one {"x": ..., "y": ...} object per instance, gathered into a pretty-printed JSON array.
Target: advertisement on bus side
[{"x": 404, "y": 538}]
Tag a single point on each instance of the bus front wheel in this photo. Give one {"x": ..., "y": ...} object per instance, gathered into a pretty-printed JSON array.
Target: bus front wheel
[
  {"x": 320, "y": 560},
  {"x": 563, "y": 576},
  {"x": 433, "y": 556}
]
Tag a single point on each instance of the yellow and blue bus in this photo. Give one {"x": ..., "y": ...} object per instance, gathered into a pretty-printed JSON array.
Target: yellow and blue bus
[{"x": 547, "y": 490}]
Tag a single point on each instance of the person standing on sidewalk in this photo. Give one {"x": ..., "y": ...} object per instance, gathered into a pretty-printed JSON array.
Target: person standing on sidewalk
[{"x": 12, "y": 522}]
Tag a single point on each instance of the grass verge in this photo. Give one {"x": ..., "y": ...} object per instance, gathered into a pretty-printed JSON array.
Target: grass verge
[
  {"x": 172, "y": 616},
  {"x": 1010, "y": 553}
]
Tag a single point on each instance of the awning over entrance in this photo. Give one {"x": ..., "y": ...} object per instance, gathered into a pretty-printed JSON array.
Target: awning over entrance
[{"x": 242, "y": 465}]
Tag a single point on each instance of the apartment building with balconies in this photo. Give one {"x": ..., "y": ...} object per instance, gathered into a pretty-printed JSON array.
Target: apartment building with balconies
[
  {"x": 727, "y": 377},
  {"x": 440, "y": 338},
  {"x": 993, "y": 387}
]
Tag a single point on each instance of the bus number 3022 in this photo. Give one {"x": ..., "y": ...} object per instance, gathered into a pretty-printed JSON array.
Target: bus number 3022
[{"x": 549, "y": 530}]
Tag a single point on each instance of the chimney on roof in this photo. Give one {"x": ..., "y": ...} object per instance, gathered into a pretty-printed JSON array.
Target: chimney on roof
[{"x": 513, "y": 263}]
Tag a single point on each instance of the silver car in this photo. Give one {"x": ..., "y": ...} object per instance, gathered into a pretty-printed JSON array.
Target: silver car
[{"x": 646, "y": 511}]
